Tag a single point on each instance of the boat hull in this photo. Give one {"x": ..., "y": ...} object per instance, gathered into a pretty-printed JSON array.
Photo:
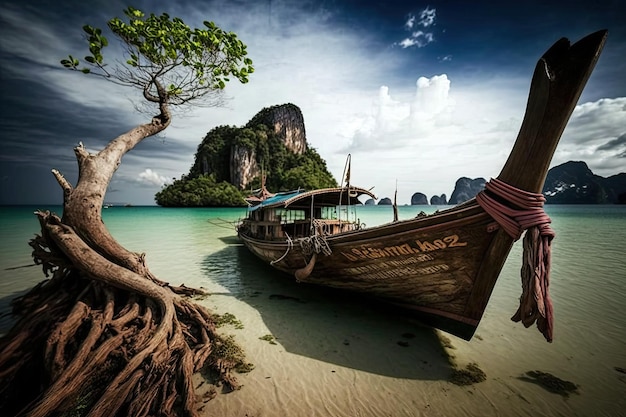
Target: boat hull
[{"x": 431, "y": 266}]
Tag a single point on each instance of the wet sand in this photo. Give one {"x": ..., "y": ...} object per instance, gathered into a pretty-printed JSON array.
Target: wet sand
[{"x": 337, "y": 355}]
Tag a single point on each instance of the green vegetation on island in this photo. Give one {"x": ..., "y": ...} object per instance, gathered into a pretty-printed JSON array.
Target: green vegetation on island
[
  {"x": 202, "y": 191},
  {"x": 230, "y": 161}
]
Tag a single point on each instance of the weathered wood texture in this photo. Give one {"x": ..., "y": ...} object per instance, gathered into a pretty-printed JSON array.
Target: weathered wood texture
[{"x": 557, "y": 83}]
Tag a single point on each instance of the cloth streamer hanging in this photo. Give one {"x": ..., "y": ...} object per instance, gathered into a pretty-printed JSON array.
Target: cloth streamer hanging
[{"x": 535, "y": 302}]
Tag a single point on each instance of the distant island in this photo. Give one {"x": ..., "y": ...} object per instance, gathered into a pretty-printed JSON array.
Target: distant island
[
  {"x": 230, "y": 162},
  {"x": 574, "y": 183},
  {"x": 569, "y": 183}
]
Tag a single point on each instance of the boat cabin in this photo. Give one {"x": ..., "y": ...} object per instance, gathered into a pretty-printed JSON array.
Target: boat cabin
[{"x": 297, "y": 214}]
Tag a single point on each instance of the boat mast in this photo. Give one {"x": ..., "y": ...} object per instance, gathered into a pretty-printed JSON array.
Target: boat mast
[
  {"x": 346, "y": 175},
  {"x": 395, "y": 203}
]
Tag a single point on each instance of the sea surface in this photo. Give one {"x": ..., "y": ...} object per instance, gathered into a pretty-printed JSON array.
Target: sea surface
[{"x": 339, "y": 355}]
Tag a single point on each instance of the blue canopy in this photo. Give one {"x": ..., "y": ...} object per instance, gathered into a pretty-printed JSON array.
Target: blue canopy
[{"x": 321, "y": 197}]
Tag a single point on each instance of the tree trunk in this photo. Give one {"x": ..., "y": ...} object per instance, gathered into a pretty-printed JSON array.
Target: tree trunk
[{"x": 103, "y": 336}]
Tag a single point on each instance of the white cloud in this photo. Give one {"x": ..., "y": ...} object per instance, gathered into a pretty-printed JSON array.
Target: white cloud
[
  {"x": 27, "y": 37},
  {"x": 428, "y": 139},
  {"x": 42, "y": 45},
  {"x": 419, "y": 38},
  {"x": 410, "y": 22},
  {"x": 595, "y": 134},
  {"x": 395, "y": 124},
  {"x": 427, "y": 17},
  {"x": 151, "y": 177}
]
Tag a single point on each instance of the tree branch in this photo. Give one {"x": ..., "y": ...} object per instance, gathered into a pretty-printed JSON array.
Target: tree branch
[{"x": 65, "y": 185}]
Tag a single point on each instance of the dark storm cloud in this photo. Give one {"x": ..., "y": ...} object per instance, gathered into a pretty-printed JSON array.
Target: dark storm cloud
[
  {"x": 39, "y": 127},
  {"x": 51, "y": 119},
  {"x": 614, "y": 144},
  {"x": 38, "y": 123}
]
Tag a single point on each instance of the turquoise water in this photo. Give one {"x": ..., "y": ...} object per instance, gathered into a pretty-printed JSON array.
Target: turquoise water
[{"x": 198, "y": 247}]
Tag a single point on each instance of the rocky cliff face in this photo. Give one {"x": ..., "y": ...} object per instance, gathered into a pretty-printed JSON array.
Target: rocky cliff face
[
  {"x": 287, "y": 122},
  {"x": 234, "y": 154},
  {"x": 419, "y": 199},
  {"x": 243, "y": 166},
  {"x": 441, "y": 200},
  {"x": 465, "y": 189},
  {"x": 574, "y": 183}
]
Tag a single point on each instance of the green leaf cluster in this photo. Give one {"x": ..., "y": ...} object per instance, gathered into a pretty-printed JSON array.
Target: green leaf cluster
[{"x": 169, "y": 61}]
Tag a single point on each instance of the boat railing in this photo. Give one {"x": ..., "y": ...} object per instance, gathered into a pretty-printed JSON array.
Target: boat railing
[
  {"x": 330, "y": 227},
  {"x": 279, "y": 227}
]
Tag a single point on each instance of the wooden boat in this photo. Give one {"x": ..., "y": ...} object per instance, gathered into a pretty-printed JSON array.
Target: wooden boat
[{"x": 442, "y": 266}]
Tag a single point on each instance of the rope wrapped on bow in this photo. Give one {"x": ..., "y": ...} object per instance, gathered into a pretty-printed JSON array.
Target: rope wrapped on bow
[{"x": 535, "y": 302}]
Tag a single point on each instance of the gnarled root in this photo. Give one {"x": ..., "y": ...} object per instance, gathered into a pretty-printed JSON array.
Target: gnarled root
[{"x": 97, "y": 339}]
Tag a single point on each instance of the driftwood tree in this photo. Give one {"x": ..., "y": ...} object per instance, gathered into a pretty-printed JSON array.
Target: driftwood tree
[{"x": 103, "y": 336}]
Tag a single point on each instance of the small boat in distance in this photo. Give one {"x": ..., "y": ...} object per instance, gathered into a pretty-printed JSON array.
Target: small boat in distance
[{"x": 442, "y": 266}]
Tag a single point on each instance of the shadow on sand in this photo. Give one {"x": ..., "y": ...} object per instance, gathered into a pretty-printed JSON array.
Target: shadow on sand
[{"x": 330, "y": 325}]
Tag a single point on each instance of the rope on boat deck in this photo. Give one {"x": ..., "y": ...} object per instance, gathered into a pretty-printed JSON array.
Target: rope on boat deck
[
  {"x": 535, "y": 302},
  {"x": 316, "y": 243},
  {"x": 289, "y": 246}
]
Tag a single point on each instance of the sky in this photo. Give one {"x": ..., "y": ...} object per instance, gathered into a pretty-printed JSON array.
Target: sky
[{"x": 419, "y": 93}]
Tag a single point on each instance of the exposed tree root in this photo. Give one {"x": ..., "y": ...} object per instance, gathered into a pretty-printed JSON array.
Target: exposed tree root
[{"x": 99, "y": 340}]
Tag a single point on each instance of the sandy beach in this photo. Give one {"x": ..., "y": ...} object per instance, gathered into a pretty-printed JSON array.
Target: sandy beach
[{"x": 337, "y": 355}]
